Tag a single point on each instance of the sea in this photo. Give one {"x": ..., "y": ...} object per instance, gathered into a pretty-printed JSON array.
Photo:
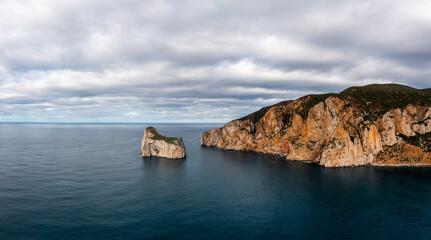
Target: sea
[{"x": 89, "y": 181}]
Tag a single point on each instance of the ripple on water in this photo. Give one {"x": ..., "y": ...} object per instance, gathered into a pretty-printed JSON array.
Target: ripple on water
[{"x": 89, "y": 181}]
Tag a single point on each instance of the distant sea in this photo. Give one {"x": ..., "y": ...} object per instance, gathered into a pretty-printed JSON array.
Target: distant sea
[{"x": 88, "y": 181}]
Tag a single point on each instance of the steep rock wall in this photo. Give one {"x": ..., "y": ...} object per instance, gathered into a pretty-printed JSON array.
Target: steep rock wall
[
  {"x": 334, "y": 132},
  {"x": 155, "y": 144}
]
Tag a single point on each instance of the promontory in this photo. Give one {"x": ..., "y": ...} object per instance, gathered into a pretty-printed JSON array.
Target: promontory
[
  {"x": 378, "y": 124},
  {"x": 158, "y": 145}
]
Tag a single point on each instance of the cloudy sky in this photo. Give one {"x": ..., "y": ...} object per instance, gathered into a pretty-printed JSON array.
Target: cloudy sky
[{"x": 199, "y": 61}]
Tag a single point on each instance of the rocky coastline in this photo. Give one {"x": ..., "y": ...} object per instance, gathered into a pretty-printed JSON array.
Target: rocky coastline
[{"x": 378, "y": 125}]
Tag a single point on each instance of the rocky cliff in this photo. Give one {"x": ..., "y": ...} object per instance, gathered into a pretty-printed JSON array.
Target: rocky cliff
[
  {"x": 379, "y": 124},
  {"x": 155, "y": 144}
]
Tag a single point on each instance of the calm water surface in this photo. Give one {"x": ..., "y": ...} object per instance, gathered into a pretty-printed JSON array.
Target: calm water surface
[{"x": 77, "y": 181}]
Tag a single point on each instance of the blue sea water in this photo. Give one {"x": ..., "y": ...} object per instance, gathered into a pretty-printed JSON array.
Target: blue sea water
[{"x": 88, "y": 181}]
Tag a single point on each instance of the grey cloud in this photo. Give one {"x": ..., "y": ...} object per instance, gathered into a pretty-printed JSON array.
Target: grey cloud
[{"x": 182, "y": 60}]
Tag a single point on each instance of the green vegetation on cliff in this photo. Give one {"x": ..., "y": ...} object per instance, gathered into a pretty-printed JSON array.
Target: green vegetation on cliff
[
  {"x": 377, "y": 99},
  {"x": 158, "y": 136},
  {"x": 311, "y": 101},
  {"x": 374, "y": 100},
  {"x": 423, "y": 141},
  {"x": 256, "y": 116}
]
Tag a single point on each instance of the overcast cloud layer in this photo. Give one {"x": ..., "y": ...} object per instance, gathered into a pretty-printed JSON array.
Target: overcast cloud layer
[{"x": 210, "y": 61}]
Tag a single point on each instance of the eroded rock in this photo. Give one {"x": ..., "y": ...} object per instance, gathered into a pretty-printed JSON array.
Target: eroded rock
[
  {"x": 335, "y": 130},
  {"x": 156, "y": 144}
]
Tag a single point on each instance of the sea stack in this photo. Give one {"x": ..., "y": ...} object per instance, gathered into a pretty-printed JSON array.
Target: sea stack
[
  {"x": 378, "y": 124},
  {"x": 158, "y": 145}
]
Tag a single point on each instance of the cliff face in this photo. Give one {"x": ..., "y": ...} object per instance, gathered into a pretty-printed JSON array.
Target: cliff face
[
  {"x": 155, "y": 144},
  {"x": 375, "y": 124}
]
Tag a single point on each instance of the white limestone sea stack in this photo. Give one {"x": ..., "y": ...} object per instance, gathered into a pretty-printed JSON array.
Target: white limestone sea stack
[{"x": 158, "y": 145}]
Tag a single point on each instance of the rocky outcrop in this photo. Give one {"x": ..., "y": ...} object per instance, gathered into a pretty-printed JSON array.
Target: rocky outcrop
[
  {"x": 155, "y": 144},
  {"x": 355, "y": 127}
]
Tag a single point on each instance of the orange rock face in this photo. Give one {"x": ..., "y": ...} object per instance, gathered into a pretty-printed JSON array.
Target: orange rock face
[
  {"x": 331, "y": 130},
  {"x": 403, "y": 154}
]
